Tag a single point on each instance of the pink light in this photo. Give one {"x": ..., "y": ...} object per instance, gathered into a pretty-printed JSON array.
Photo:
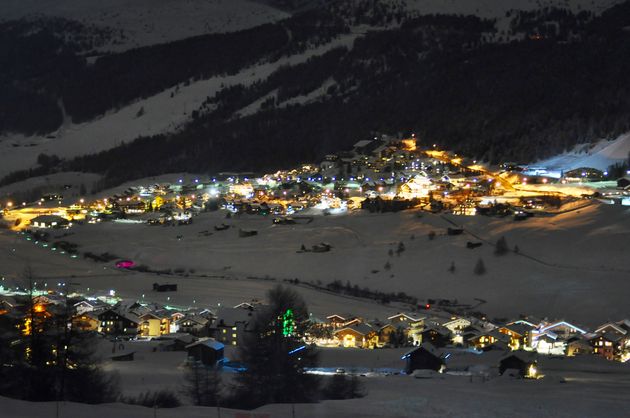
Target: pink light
[{"x": 124, "y": 264}]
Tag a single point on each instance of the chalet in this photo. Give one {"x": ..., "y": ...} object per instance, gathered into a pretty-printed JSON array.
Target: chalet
[
  {"x": 520, "y": 335},
  {"x": 154, "y": 324},
  {"x": 456, "y": 326},
  {"x": 206, "y": 351},
  {"x": 437, "y": 335},
  {"x": 424, "y": 357},
  {"x": 489, "y": 339},
  {"x": 405, "y": 318},
  {"x": 578, "y": 345},
  {"x": 607, "y": 345},
  {"x": 86, "y": 321},
  {"x": 116, "y": 323},
  {"x": 385, "y": 332},
  {"x": 50, "y": 221},
  {"x": 523, "y": 361},
  {"x": 619, "y": 330},
  {"x": 562, "y": 329},
  {"x": 359, "y": 336},
  {"x": 550, "y": 343},
  {"x": 47, "y": 300},
  {"x": 88, "y": 306},
  {"x": 417, "y": 187},
  {"x": 192, "y": 324},
  {"x": 339, "y": 321},
  {"x": 231, "y": 324}
]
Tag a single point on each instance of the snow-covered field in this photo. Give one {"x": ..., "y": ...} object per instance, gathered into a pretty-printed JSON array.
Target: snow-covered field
[
  {"x": 404, "y": 396},
  {"x": 147, "y": 22},
  {"x": 573, "y": 265}
]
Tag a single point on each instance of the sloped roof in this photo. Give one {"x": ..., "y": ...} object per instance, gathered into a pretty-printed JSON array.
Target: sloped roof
[
  {"x": 195, "y": 318},
  {"x": 208, "y": 342},
  {"x": 232, "y": 316},
  {"x": 430, "y": 348},
  {"x": 362, "y": 329},
  {"x": 524, "y": 356},
  {"x": 520, "y": 328}
]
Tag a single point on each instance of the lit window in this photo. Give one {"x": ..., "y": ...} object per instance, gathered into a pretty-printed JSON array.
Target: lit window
[
  {"x": 233, "y": 328},
  {"x": 233, "y": 342},
  {"x": 233, "y": 335},
  {"x": 225, "y": 331}
]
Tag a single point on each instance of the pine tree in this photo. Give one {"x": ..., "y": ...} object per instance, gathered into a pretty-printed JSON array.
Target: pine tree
[
  {"x": 480, "y": 268},
  {"x": 275, "y": 370},
  {"x": 203, "y": 385},
  {"x": 501, "y": 247}
]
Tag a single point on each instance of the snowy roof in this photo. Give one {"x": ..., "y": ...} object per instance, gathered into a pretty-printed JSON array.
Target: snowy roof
[
  {"x": 231, "y": 316},
  {"x": 427, "y": 347},
  {"x": 521, "y": 329},
  {"x": 195, "y": 318},
  {"x": 410, "y": 316},
  {"x": 617, "y": 327},
  {"x": 525, "y": 356},
  {"x": 49, "y": 219},
  {"x": 362, "y": 143},
  {"x": 363, "y": 329},
  {"x": 208, "y": 342}
]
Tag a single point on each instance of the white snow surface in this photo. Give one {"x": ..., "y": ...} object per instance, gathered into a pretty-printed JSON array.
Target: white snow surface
[
  {"x": 573, "y": 265},
  {"x": 588, "y": 394},
  {"x": 599, "y": 155},
  {"x": 147, "y": 22}
]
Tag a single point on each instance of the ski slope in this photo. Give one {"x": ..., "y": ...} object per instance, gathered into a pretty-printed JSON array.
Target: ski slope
[{"x": 599, "y": 155}]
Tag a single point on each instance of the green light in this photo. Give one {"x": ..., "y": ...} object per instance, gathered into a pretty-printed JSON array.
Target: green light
[{"x": 288, "y": 323}]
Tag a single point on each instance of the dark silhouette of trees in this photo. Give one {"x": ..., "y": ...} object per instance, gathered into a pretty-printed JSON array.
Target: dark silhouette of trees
[{"x": 273, "y": 355}]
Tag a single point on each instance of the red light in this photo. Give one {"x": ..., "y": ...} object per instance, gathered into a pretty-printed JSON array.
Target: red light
[{"x": 427, "y": 306}]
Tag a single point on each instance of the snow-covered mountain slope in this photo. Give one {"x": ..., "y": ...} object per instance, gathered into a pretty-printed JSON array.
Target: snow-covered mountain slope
[
  {"x": 145, "y": 22},
  {"x": 162, "y": 113},
  {"x": 498, "y": 8},
  {"x": 600, "y": 155}
]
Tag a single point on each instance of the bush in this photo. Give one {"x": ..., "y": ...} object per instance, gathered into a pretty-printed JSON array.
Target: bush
[{"x": 343, "y": 387}]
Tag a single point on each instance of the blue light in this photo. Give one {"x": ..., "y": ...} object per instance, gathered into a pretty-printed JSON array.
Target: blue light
[{"x": 297, "y": 349}]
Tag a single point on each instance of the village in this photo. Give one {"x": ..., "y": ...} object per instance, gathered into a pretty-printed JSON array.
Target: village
[
  {"x": 423, "y": 337},
  {"x": 430, "y": 340},
  {"x": 380, "y": 175}
]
